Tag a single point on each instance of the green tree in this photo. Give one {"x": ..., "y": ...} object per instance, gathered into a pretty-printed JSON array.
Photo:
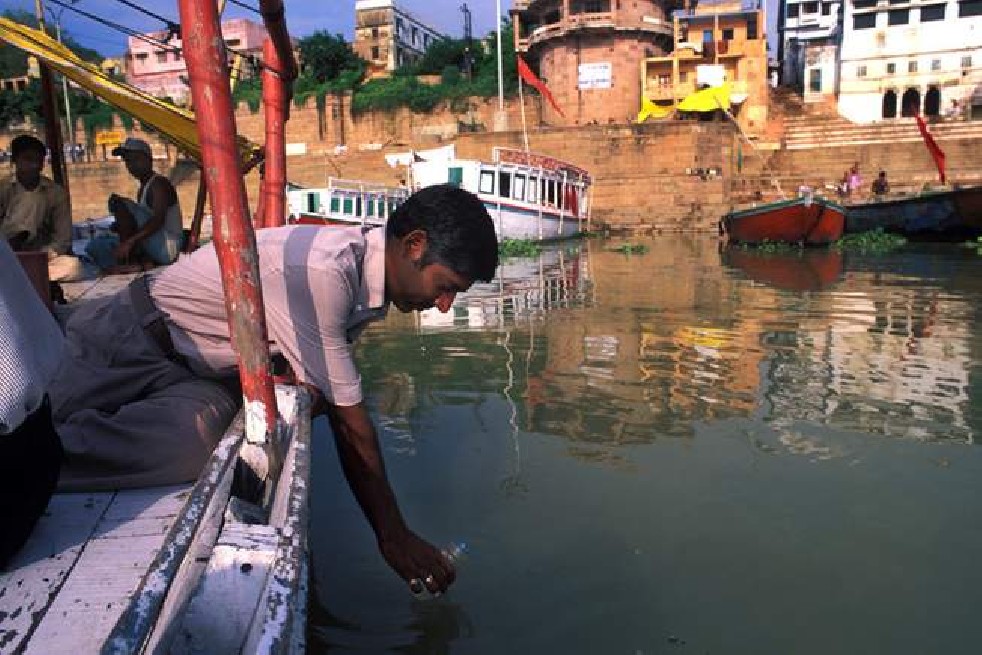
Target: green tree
[{"x": 325, "y": 57}]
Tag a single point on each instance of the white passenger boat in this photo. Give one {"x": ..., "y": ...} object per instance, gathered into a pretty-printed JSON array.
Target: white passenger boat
[
  {"x": 344, "y": 202},
  {"x": 529, "y": 196}
]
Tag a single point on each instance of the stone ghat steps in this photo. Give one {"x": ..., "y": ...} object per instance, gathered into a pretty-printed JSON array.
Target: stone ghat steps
[{"x": 801, "y": 135}]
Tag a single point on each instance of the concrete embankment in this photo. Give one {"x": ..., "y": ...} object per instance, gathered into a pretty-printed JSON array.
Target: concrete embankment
[{"x": 665, "y": 176}]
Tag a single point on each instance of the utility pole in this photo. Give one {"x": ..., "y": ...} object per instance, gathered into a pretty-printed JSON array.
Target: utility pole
[
  {"x": 468, "y": 37},
  {"x": 49, "y": 109},
  {"x": 64, "y": 81}
]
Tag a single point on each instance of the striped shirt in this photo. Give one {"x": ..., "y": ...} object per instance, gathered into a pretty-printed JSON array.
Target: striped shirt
[
  {"x": 31, "y": 344},
  {"x": 321, "y": 287}
]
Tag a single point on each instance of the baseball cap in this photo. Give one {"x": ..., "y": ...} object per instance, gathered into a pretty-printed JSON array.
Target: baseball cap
[{"x": 132, "y": 144}]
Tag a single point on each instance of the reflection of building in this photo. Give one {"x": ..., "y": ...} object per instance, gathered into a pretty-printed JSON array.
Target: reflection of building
[
  {"x": 162, "y": 71},
  {"x": 899, "y": 59},
  {"x": 387, "y": 36},
  {"x": 721, "y": 40},
  {"x": 589, "y": 52},
  {"x": 808, "y": 33}
]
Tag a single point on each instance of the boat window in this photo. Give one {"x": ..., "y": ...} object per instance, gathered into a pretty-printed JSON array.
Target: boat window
[
  {"x": 335, "y": 205},
  {"x": 552, "y": 193},
  {"x": 348, "y": 205},
  {"x": 533, "y": 189},
  {"x": 313, "y": 202},
  {"x": 518, "y": 192},
  {"x": 358, "y": 206},
  {"x": 370, "y": 207},
  {"x": 543, "y": 197},
  {"x": 392, "y": 206},
  {"x": 486, "y": 184},
  {"x": 455, "y": 175},
  {"x": 504, "y": 184}
]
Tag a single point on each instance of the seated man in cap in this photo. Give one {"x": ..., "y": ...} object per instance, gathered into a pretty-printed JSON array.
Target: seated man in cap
[
  {"x": 149, "y": 228},
  {"x": 34, "y": 211}
]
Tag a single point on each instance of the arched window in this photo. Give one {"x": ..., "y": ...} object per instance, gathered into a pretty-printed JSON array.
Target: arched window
[
  {"x": 890, "y": 104},
  {"x": 911, "y": 103},
  {"x": 932, "y": 101}
]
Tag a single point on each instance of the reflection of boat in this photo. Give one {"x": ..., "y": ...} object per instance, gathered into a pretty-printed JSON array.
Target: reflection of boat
[
  {"x": 344, "y": 202},
  {"x": 810, "y": 220},
  {"x": 940, "y": 215},
  {"x": 805, "y": 270},
  {"x": 529, "y": 196}
]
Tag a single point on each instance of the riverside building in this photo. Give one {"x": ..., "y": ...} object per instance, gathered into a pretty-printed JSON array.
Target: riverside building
[
  {"x": 387, "y": 36},
  {"x": 808, "y": 47},
  {"x": 899, "y": 58},
  {"x": 716, "y": 41},
  {"x": 589, "y": 53}
]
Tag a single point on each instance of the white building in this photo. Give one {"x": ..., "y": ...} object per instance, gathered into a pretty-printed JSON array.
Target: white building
[
  {"x": 901, "y": 57},
  {"x": 809, "y": 32},
  {"x": 387, "y": 36}
]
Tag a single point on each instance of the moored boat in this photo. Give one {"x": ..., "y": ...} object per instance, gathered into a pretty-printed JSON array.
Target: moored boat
[
  {"x": 936, "y": 215},
  {"x": 344, "y": 202},
  {"x": 528, "y": 195},
  {"x": 808, "y": 220}
]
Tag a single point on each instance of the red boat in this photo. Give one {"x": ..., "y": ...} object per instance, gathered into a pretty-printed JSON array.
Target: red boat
[
  {"x": 810, "y": 221},
  {"x": 799, "y": 270}
]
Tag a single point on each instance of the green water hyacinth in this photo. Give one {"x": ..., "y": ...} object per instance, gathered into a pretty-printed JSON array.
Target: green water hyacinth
[
  {"x": 518, "y": 248},
  {"x": 874, "y": 242}
]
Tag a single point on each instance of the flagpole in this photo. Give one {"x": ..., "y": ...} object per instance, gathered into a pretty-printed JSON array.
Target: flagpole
[
  {"x": 521, "y": 102},
  {"x": 501, "y": 70}
]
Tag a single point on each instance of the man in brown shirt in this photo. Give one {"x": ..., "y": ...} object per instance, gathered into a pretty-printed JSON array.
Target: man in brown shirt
[
  {"x": 34, "y": 211},
  {"x": 130, "y": 413}
]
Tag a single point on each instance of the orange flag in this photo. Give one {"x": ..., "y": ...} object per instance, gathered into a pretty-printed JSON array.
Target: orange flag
[
  {"x": 530, "y": 78},
  {"x": 932, "y": 146}
]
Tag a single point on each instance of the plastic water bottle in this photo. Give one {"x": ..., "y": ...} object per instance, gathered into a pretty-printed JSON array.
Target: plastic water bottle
[{"x": 454, "y": 552}]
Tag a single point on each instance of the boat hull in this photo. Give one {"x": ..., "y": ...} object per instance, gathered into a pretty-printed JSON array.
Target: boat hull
[
  {"x": 813, "y": 221},
  {"x": 947, "y": 215},
  {"x": 515, "y": 222}
]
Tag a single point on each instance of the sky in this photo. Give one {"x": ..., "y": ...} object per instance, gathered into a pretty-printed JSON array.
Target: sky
[{"x": 303, "y": 17}]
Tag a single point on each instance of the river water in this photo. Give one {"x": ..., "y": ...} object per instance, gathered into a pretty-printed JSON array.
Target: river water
[{"x": 689, "y": 450}]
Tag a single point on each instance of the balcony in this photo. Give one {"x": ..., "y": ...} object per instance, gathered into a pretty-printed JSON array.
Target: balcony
[{"x": 587, "y": 21}]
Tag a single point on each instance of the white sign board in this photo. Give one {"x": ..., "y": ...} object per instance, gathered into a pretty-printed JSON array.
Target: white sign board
[
  {"x": 293, "y": 149},
  {"x": 595, "y": 76}
]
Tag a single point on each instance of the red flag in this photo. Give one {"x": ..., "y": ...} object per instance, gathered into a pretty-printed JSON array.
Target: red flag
[
  {"x": 932, "y": 146},
  {"x": 529, "y": 77}
]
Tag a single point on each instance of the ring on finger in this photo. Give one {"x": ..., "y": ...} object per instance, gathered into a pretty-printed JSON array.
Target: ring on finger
[
  {"x": 416, "y": 585},
  {"x": 430, "y": 580}
]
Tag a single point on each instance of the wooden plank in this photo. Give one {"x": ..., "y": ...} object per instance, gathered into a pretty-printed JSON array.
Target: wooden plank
[
  {"x": 223, "y": 608},
  {"x": 283, "y": 608},
  {"x": 36, "y": 574},
  {"x": 163, "y": 592},
  {"x": 121, "y": 545}
]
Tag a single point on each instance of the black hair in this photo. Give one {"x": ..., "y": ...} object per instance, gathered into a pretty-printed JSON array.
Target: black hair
[
  {"x": 459, "y": 231},
  {"x": 24, "y": 143}
]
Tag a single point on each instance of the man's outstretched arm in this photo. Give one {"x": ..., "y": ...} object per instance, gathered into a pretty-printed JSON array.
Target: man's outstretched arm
[{"x": 358, "y": 449}]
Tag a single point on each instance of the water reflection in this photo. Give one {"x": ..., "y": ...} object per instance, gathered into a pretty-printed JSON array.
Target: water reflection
[{"x": 639, "y": 372}]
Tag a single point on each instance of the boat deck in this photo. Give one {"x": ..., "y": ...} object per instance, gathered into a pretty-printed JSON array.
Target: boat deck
[
  {"x": 184, "y": 568},
  {"x": 73, "y": 579}
]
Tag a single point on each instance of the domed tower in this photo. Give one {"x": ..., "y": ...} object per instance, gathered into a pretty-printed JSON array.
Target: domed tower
[{"x": 589, "y": 53}]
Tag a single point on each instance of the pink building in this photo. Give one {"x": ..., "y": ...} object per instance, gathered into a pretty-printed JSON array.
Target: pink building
[{"x": 163, "y": 72}]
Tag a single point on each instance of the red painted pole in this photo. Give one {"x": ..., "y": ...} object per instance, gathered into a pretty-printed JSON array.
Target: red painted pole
[
  {"x": 275, "y": 22},
  {"x": 276, "y": 101},
  {"x": 232, "y": 233}
]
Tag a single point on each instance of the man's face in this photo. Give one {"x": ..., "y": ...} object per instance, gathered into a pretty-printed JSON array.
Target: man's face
[
  {"x": 137, "y": 163},
  {"x": 28, "y": 165},
  {"x": 412, "y": 287}
]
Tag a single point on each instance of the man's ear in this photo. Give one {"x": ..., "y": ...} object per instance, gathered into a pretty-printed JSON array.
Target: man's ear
[{"x": 414, "y": 245}]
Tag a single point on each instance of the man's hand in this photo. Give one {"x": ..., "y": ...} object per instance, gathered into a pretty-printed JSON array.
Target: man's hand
[
  {"x": 113, "y": 203},
  {"x": 124, "y": 249},
  {"x": 417, "y": 561}
]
